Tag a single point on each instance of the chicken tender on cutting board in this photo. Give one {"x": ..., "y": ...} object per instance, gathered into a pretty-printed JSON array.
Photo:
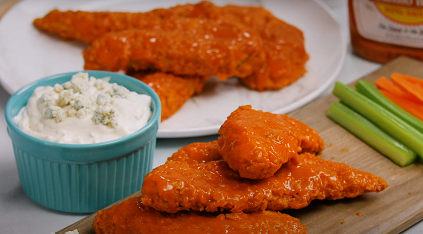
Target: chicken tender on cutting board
[
  {"x": 257, "y": 143},
  {"x": 132, "y": 216},
  {"x": 199, "y": 152},
  {"x": 214, "y": 186}
]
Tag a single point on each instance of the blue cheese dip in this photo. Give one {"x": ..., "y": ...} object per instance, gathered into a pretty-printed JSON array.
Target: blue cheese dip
[{"x": 84, "y": 110}]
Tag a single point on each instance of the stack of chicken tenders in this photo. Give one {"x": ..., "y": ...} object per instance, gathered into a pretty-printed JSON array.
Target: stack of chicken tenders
[{"x": 262, "y": 163}]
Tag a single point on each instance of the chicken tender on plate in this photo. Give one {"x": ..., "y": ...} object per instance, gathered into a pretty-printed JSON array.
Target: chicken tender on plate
[
  {"x": 284, "y": 45},
  {"x": 132, "y": 216},
  {"x": 177, "y": 52},
  {"x": 257, "y": 143},
  {"x": 172, "y": 90},
  {"x": 214, "y": 186},
  {"x": 87, "y": 26}
]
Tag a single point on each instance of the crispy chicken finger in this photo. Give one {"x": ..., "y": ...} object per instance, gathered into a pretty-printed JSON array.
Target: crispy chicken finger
[
  {"x": 199, "y": 152},
  {"x": 257, "y": 143},
  {"x": 132, "y": 216},
  {"x": 177, "y": 52},
  {"x": 87, "y": 26},
  {"x": 284, "y": 45},
  {"x": 172, "y": 90},
  {"x": 213, "y": 186}
]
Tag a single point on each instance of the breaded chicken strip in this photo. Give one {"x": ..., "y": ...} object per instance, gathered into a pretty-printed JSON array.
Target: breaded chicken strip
[
  {"x": 172, "y": 90},
  {"x": 132, "y": 216},
  {"x": 87, "y": 26},
  {"x": 257, "y": 143},
  {"x": 199, "y": 152},
  {"x": 213, "y": 186},
  {"x": 177, "y": 52},
  {"x": 284, "y": 43}
]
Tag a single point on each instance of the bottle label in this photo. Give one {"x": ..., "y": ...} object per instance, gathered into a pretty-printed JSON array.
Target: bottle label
[{"x": 398, "y": 22}]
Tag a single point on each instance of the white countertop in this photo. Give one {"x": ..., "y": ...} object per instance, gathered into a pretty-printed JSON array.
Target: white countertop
[{"x": 19, "y": 214}]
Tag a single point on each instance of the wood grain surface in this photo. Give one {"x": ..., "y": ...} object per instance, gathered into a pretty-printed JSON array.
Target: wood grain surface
[{"x": 390, "y": 211}]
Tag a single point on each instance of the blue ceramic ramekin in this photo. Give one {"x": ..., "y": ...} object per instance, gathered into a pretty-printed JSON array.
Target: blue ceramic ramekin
[{"x": 82, "y": 178}]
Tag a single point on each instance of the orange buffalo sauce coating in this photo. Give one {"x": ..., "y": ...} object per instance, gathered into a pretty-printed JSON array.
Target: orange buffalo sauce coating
[
  {"x": 384, "y": 30},
  {"x": 172, "y": 90},
  {"x": 199, "y": 152},
  {"x": 213, "y": 186},
  {"x": 178, "y": 52},
  {"x": 257, "y": 143},
  {"x": 133, "y": 217}
]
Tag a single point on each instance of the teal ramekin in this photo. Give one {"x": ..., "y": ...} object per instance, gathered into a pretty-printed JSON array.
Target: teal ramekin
[{"x": 82, "y": 178}]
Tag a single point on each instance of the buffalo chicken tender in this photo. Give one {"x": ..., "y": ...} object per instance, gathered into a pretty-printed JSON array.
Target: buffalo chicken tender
[
  {"x": 87, "y": 26},
  {"x": 257, "y": 143},
  {"x": 214, "y": 186},
  {"x": 132, "y": 216},
  {"x": 199, "y": 152},
  {"x": 284, "y": 45},
  {"x": 172, "y": 90},
  {"x": 179, "y": 52}
]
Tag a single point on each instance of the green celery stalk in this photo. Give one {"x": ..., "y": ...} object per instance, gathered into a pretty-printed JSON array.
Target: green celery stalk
[
  {"x": 369, "y": 90},
  {"x": 384, "y": 119},
  {"x": 370, "y": 134}
]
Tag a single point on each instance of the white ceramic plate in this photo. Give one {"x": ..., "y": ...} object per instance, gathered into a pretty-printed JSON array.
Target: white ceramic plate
[{"x": 27, "y": 54}]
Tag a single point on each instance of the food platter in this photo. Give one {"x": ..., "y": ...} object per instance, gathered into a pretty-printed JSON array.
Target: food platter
[{"x": 42, "y": 55}]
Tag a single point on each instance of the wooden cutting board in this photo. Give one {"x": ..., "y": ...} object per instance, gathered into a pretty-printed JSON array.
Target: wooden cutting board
[{"x": 390, "y": 211}]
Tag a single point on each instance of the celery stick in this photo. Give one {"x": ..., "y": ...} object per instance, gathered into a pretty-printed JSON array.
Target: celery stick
[
  {"x": 370, "y": 134},
  {"x": 385, "y": 120},
  {"x": 369, "y": 90}
]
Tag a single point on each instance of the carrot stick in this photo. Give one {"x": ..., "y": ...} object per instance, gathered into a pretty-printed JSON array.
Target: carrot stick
[
  {"x": 408, "y": 87},
  {"x": 385, "y": 84},
  {"x": 410, "y": 106},
  {"x": 411, "y": 79}
]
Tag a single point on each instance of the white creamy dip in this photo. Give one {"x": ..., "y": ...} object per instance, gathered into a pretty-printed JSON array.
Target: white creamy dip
[{"x": 84, "y": 110}]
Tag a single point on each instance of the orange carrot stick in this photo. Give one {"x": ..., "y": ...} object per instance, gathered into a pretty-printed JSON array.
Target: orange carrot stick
[
  {"x": 410, "y": 106},
  {"x": 408, "y": 87},
  {"x": 385, "y": 84},
  {"x": 411, "y": 79}
]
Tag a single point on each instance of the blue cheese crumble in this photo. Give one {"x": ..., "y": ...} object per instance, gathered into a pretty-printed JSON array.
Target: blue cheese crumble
[{"x": 84, "y": 110}]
